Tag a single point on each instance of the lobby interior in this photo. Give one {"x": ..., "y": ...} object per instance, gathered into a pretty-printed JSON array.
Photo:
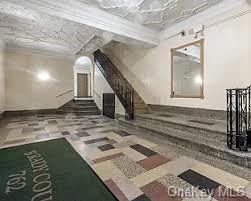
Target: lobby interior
[{"x": 129, "y": 100}]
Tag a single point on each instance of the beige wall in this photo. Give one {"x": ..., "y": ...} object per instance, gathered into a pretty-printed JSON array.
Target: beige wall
[
  {"x": 24, "y": 91},
  {"x": 227, "y": 65},
  {"x": 2, "y": 78}
]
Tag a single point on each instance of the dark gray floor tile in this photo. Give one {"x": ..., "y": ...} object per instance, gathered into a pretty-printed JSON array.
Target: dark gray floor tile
[
  {"x": 122, "y": 133},
  {"x": 96, "y": 140},
  {"x": 143, "y": 150},
  {"x": 106, "y": 147},
  {"x": 142, "y": 198},
  {"x": 82, "y": 134},
  {"x": 39, "y": 129},
  {"x": 65, "y": 133},
  {"x": 200, "y": 181},
  {"x": 92, "y": 127}
]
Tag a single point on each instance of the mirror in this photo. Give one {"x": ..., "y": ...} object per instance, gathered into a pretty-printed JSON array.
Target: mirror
[{"x": 188, "y": 71}]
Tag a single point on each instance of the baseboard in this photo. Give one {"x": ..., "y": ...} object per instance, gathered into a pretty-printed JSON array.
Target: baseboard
[
  {"x": 117, "y": 116},
  {"x": 30, "y": 112},
  {"x": 2, "y": 115},
  {"x": 199, "y": 112}
]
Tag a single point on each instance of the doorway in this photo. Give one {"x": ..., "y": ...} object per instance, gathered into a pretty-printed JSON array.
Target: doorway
[
  {"x": 82, "y": 85},
  {"x": 83, "y": 78}
]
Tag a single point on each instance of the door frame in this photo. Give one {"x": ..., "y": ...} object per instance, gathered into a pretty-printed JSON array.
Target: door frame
[
  {"x": 82, "y": 71},
  {"x": 86, "y": 82}
]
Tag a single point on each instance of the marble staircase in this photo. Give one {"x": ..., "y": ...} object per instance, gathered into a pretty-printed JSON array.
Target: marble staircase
[
  {"x": 205, "y": 135},
  {"x": 80, "y": 107}
]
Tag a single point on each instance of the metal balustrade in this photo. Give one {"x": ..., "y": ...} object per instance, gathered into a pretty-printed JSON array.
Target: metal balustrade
[
  {"x": 239, "y": 118},
  {"x": 117, "y": 82}
]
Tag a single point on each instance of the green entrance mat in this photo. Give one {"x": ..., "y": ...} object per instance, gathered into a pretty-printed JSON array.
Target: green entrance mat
[{"x": 45, "y": 171}]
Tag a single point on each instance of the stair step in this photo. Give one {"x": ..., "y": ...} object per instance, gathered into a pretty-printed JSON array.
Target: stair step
[
  {"x": 170, "y": 121},
  {"x": 140, "y": 106},
  {"x": 91, "y": 112},
  {"x": 88, "y": 107},
  {"x": 192, "y": 141},
  {"x": 140, "y": 110}
]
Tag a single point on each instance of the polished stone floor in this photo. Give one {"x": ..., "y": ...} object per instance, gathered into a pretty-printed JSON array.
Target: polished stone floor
[{"x": 134, "y": 166}]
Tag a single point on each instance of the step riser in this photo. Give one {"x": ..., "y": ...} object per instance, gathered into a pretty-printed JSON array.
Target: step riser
[
  {"x": 78, "y": 113},
  {"x": 140, "y": 111},
  {"x": 82, "y": 104},
  {"x": 83, "y": 111},
  {"x": 190, "y": 145},
  {"x": 80, "y": 109},
  {"x": 206, "y": 133}
]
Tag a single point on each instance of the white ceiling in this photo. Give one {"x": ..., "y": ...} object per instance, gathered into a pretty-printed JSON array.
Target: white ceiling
[
  {"x": 70, "y": 27},
  {"x": 45, "y": 33},
  {"x": 155, "y": 14}
]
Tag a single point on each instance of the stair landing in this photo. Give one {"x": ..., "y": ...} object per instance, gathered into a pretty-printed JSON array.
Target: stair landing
[{"x": 204, "y": 135}]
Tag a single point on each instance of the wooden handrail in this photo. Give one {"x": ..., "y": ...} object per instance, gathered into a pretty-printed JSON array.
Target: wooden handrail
[{"x": 64, "y": 93}]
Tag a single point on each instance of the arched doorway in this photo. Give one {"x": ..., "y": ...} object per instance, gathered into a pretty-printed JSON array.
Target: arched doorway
[{"x": 83, "y": 85}]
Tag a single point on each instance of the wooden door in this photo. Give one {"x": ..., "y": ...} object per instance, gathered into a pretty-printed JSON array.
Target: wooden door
[{"x": 82, "y": 80}]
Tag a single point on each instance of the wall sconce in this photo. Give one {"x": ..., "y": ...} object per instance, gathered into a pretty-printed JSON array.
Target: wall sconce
[{"x": 43, "y": 76}]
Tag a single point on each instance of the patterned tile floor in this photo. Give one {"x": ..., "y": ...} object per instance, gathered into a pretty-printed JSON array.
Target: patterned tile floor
[{"x": 132, "y": 166}]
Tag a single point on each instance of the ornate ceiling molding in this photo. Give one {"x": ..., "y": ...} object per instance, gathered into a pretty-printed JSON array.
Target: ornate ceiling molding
[
  {"x": 155, "y": 14},
  {"x": 68, "y": 28},
  {"x": 212, "y": 15},
  {"x": 85, "y": 14}
]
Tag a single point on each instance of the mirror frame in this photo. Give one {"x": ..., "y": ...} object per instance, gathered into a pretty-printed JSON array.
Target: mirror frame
[{"x": 201, "y": 96}]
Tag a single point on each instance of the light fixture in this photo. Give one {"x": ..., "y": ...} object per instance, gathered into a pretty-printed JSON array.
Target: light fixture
[
  {"x": 198, "y": 80},
  {"x": 43, "y": 76}
]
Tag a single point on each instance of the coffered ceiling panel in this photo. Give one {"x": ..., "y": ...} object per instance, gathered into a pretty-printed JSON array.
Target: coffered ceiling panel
[{"x": 155, "y": 14}]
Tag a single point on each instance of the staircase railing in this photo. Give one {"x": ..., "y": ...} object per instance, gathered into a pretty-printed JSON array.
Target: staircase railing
[
  {"x": 239, "y": 118},
  {"x": 117, "y": 82}
]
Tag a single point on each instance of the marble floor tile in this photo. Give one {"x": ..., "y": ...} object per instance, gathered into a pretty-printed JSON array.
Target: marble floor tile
[
  {"x": 221, "y": 176},
  {"x": 82, "y": 134},
  {"x": 14, "y": 141},
  {"x": 127, "y": 187},
  {"x": 133, "y": 167},
  {"x": 133, "y": 154},
  {"x": 121, "y": 133},
  {"x": 115, "y": 190},
  {"x": 106, "y": 147},
  {"x": 153, "y": 162},
  {"x": 128, "y": 166},
  {"x": 150, "y": 176},
  {"x": 143, "y": 150},
  {"x": 125, "y": 144},
  {"x": 96, "y": 140},
  {"x": 106, "y": 170},
  {"x": 106, "y": 158},
  {"x": 248, "y": 190},
  {"x": 226, "y": 194},
  {"x": 157, "y": 192},
  {"x": 200, "y": 181}
]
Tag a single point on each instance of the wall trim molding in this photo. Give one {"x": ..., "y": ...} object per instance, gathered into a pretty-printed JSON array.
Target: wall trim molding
[
  {"x": 30, "y": 112},
  {"x": 40, "y": 53},
  {"x": 2, "y": 115}
]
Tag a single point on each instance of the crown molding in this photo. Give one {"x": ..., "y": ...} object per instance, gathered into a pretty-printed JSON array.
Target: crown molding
[
  {"x": 85, "y": 14},
  {"x": 214, "y": 13},
  {"x": 40, "y": 53}
]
